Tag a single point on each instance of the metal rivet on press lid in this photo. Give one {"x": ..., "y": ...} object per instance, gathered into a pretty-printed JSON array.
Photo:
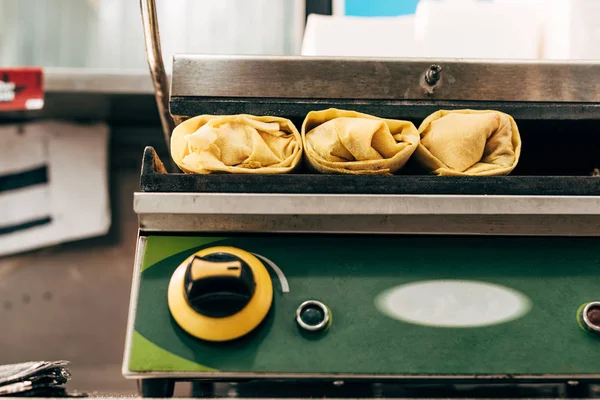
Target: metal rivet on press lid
[{"x": 433, "y": 74}]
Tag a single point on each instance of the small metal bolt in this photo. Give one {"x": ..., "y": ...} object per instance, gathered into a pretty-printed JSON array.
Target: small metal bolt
[
  {"x": 313, "y": 316},
  {"x": 433, "y": 74}
]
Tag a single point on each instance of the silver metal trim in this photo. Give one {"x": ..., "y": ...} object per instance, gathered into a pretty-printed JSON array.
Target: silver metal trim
[
  {"x": 312, "y": 328},
  {"x": 518, "y": 224},
  {"x": 379, "y": 377},
  {"x": 302, "y": 77},
  {"x": 585, "y": 318},
  {"x": 325, "y": 204},
  {"x": 135, "y": 288}
]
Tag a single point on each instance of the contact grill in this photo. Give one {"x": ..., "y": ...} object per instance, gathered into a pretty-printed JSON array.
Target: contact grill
[{"x": 375, "y": 235}]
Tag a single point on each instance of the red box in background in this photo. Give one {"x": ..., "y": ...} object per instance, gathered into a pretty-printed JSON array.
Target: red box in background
[{"x": 21, "y": 89}]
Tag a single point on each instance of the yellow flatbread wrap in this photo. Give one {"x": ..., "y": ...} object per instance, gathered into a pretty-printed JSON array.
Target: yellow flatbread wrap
[
  {"x": 348, "y": 142},
  {"x": 238, "y": 144},
  {"x": 469, "y": 142}
]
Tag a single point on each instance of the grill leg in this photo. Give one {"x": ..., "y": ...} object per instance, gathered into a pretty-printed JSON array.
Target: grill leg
[
  {"x": 157, "y": 388},
  {"x": 577, "y": 390}
]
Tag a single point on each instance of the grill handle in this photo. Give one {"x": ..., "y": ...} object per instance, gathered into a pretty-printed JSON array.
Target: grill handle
[{"x": 157, "y": 68}]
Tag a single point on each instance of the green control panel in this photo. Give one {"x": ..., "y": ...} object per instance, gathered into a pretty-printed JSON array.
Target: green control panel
[{"x": 292, "y": 305}]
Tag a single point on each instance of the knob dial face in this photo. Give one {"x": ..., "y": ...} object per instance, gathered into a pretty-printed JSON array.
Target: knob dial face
[
  {"x": 218, "y": 285},
  {"x": 220, "y": 293}
]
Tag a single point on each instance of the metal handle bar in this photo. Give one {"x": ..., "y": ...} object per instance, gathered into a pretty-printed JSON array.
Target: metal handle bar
[{"x": 157, "y": 67}]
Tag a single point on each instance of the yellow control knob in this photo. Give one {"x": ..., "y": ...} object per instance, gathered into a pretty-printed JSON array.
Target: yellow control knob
[{"x": 220, "y": 293}]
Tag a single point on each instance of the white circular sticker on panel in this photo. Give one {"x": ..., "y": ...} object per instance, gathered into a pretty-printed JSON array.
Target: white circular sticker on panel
[{"x": 453, "y": 303}]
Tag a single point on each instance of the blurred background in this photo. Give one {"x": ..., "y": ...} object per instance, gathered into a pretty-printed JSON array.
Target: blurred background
[
  {"x": 108, "y": 34},
  {"x": 64, "y": 283}
]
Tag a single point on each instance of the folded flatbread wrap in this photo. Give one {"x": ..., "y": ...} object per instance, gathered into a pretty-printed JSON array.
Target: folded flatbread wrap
[
  {"x": 239, "y": 144},
  {"x": 469, "y": 142},
  {"x": 348, "y": 142}
]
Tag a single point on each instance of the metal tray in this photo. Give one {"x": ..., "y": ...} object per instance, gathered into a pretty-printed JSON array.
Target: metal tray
[{"x": 155, "y": 179}]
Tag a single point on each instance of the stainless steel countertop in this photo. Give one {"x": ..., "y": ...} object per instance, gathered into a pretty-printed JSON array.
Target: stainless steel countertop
[{"x": 97, "y": 81}]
